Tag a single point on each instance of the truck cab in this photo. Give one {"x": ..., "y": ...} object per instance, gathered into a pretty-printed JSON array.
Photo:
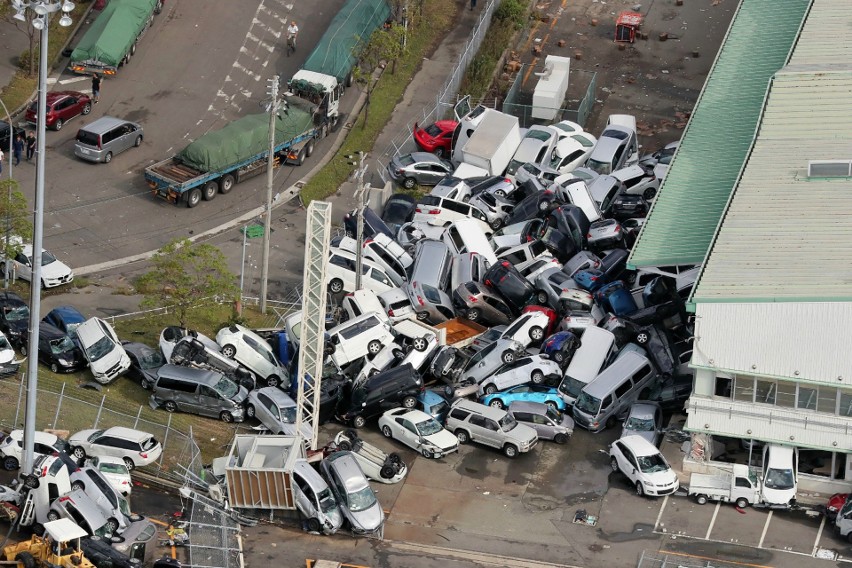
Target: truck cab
[{"x": 323, "y": 90}]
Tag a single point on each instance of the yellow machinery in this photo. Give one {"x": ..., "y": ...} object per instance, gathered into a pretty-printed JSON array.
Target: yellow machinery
[{"x": 59, "y": 546}]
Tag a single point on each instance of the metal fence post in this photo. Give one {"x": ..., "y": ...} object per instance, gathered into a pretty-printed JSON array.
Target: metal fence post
[
  {"x": 58, "y": 407},
  {"x": 138, "y": 415},
  {"x": 100, "y": 408},
  {"x": 165, "y": 441}
]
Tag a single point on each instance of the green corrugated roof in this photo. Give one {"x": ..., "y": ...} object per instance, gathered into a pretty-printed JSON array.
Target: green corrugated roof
[{"x": 701, "y": 177}]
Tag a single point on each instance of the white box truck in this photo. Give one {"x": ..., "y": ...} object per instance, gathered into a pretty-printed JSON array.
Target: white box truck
[{"x": 493, "y": 142}]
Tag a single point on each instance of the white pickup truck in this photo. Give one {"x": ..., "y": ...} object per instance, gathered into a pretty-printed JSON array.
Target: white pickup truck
[{"x": 741, "y": 487}]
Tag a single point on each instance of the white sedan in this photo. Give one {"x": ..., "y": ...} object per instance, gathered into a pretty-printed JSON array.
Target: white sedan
[
  {"x": 54, "y": 272},
  {"x": 419, "y": 431}
]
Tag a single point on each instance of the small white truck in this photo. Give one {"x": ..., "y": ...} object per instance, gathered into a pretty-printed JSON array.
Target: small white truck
[{"x": 740, "y": 486}]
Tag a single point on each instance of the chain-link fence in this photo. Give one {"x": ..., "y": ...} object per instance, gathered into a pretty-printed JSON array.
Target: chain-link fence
[{"x": 576, "y": 106}]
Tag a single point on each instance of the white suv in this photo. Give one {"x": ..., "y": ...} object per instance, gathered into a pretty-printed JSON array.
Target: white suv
[
  {"x": 135, "y": 447},
  {"x": 253, "y": 352},
  {"x": 107, "y": 358},
  {"x": 12, "y": 447},
  {"x": 643, "y": 464},
  {"x": 358, "y": 337}
]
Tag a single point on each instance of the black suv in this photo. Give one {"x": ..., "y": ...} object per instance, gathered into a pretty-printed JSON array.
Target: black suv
[
  {"x": 374, "y": 395},
  {"x": 14, "y": 318},
  {"x": 510, "y": 285}
]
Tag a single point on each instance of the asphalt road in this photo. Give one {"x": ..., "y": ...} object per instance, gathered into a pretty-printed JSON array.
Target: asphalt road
[{"x": 201, "y": 65}]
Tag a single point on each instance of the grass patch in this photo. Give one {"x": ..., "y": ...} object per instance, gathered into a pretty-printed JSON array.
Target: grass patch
[
  {"x": 423, "y": 35},
  {"x": 507, "y": 19}
]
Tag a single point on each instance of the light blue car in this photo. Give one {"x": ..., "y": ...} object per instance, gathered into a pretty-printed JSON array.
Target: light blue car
[{"x": 529, "y": 393}]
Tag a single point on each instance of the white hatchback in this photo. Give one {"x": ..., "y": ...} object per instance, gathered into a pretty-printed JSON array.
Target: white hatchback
[
  {"x": 107, "y": 358},
  {"x": 115, "y": 471},
  {"x": 643, "y": 464},
  {"x": 253, "y": 352},
  {"x": 135, "y": 447}
]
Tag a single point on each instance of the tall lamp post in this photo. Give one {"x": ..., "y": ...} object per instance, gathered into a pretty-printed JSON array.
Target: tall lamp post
[
  {"x": 43, "y": 9},
  {"x": 9, "y": 201}
]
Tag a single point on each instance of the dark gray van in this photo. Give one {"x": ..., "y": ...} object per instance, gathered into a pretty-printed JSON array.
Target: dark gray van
[
  {"x": 199, "y": 391},
  {"x": 107, "y": 137}
]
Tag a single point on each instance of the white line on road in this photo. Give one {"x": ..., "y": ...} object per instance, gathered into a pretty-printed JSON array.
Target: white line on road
[
  {"x": 51, "y": 80},
  {"x": 477, "y": 557},
  {"x": 660, "y": 514},
  {"x": 74, "y": 80},
  {"x": 819, "y": 535},
  {"x": 713, "y": 520},
  {"x": 765, "y": 528}
]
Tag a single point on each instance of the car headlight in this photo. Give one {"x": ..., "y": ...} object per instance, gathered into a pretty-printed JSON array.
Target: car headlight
[{"x": 65, "y": 362}]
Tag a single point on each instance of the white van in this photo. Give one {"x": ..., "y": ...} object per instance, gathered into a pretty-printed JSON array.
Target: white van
[
  {"x": 575, "y": 191},
  {"x": 596, "y": 347},
  {"x": 468, "y": 267},
  {"x": 362, "y": 302},
  {"x": 466, "y": 235},
  {"x": 396, "y": 305},
  {"x": 387, "y": 253},
  {"x": 358, "y": 337},
  {"x": 107, "y": 358},
  {"x": 340, "y": 273}
]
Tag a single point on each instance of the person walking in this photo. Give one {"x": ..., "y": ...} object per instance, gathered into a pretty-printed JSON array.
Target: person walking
[
  {"x": 96, "y": 87},
  {"x": 31, "y": 145},
  {"x": 18, "y": 147},
  {"x": 292, "y": 32}
]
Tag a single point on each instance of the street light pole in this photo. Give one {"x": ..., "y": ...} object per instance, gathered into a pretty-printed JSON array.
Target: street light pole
[
  {"x": 361, "y": 193},
  {"x": 43, "y": 9},
  {"x": 7, "y": 264},
  {"x": 267, "y": 218}
]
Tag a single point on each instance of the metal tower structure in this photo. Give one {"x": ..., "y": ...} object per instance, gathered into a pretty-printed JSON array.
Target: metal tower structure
[{"x": 312, "y": 339}]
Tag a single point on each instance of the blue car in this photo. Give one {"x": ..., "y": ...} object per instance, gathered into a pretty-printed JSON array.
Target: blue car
[
  {"x": 66, "y": 319},
  {"x": 616, "y": 298},
  {"x": 560, "y": 347},
  {"x": 590, "y": 280},
  {"x": 529, "y": 393},
  {"x": 434, "y": 405}
]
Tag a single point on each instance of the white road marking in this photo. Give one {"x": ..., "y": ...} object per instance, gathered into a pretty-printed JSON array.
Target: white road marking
[
  {"x": 660, "y": 514},
  {"x": 265, "y": 26},
  {"x": 73, "y": 80},
  {"x": 819, "y": 535},
  {"x": 712, "y": 521},
  {"x": 51, "y": 80},
  {"x": 765, "y": 528},
  {"x": 246, "y": 70}
]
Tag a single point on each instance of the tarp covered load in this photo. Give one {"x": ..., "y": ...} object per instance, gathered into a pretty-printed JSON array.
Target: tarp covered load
[
  {"x": 355, "y": 22},
  {"x": 244, "y": 138},
  {"x": 113, "y": 32}
]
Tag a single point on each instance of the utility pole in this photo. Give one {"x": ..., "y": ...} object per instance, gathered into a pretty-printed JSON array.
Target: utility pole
[
  {"x": 270, "y": 164},
  {"x": 362, "y": 193}
]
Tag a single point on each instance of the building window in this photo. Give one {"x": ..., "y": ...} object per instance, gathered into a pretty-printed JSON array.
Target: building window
[
  {"x": 807, "y": 398},
  {"x": 786, "y": 394},
  {"x": 744, "y": 389},
  {"x": 827, "y": 400},
  {"x": 723, "y": 386},
  {"x": 765, "y": 392},
  {"x": 845, "y": 403}
]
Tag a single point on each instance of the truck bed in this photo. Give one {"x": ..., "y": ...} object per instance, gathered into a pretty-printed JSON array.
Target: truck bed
[
  {"x": 174, "y": 171},
  {"x": 460, "y": 331},
  {"x": 709, "y": 484}
]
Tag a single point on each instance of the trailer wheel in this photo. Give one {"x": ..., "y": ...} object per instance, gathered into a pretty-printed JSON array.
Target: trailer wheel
[
  {"x": 300, "y": 159},
  {"x": 26, "y": 560},
  {"x": 211, "y": 188},
  {"x": 194, "y": 197},
  {"x": 132, "y": 50},
  {"x": 349, "y": 78},
  {"x": 309, "y": 149},
  {"x": 159, "y": 7},
  {"x": 701, "y": 499},
  {"x": 226, "y": 184},
  {"x": 742, "y": 503}
]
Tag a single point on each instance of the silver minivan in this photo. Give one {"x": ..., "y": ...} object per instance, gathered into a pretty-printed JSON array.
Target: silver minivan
[
  {"x": 107, "y": 137},
  {"x": 429, "y": 280},
  {"x": 199, "y": 391},
  {"x": 596, "y": 347},
  {"x": 612, "y": 392}
]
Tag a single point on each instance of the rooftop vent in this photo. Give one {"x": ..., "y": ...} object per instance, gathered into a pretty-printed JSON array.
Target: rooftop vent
[{"x": 829, "y": 168}]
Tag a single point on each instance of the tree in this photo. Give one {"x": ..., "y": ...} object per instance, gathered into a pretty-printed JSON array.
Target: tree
[
  {"x": 185, "y": 273},
  {"x": 28, "y": 58},
  {"x": 384, "y": 46},
  {"x": 16, "y": 220}
]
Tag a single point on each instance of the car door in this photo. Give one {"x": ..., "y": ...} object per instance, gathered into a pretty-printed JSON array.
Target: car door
[
  {"x": 543, "y": 426},
  {"x": 126, "y": 136},
  {"x": 306, "y": 501},
  {"x": 23, "y": 266},
  {"x": 266, "y": 412},
  {"x": 632, "y": 467},
  {"x": 107, "y": 446},
  {"x": 492, "y": 433},
  {"x": 620, "y": 454},
  {"x": 409, "y": 433},
  {"x": 209, "y": 402}
]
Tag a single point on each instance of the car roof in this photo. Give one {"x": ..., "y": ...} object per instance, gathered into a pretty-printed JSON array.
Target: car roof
[
  {"x": 281, "y": 398},
  {"x": 127, "y": 433},
  {"x": 644, "y": 409},
  {"x": 425, "y": 157},
  {"x": 11, "y": 298},
  {"x": 348, "y": 470},
  {"x": 49, "y": 331},
  {"x": 528, "y": 406},
  {"x": 68, "y": 313},
  {"x": 639, "y": 445},
  {"x": 43, "y": 437}
]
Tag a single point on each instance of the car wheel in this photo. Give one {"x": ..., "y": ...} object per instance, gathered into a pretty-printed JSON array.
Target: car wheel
[
  {"x": 211, "y": 188},
  {"x": 507, "y": 357},
  {"x": 541, "y": 298},
  {"x": 543, "y": 205},
  {"x": 420, "y": 343},
  {"x": 536, "y": 333},
  {"x": 112, "y": 525},
  {"x": 422, "y": 316},
  {"x": 359, "y": 421},
  {"x": 58, "y": 124},
  {"x": 138, "y": 141},
  {"x": 273, "y": 381},
  {"x": 309, "y": 149},
  {"x": 108, "y": 157},
  {"x": 335, "y": 286},
  {"x": 129, "y": 464},
  {"x": 496, "y": 224},
  {"x": 229, "y": 351},
  {"x": 497, "y": 403},
  {"x": 52, "y": 516},
  {"x": 226, "y": 184},
  {"x": 78, "y": 453},
  {"x": 640, "y": 491},
  {"x": 11, "y": 463},
  {"x": 490, "y": 389},
  {"x": 31, "y": 481},
  {"x": 387, "y": 432},
  {"x": 374, "y": 347},
  {"x": 463, "y": 436},
  {"x": 194, "y": 197},
  {"x": 226, "y": 417},
  {"x": 426, "y": 453},
  {"x": 559, "y": 357},
  {"x": 78, "y": 485},
  {"x": 250, "y": 412},
  {"x": 474, "y": 315},
  {"x": 170, "y": 406},
  {"x": 314, "y": 525},
  {"x": 537, "y": 377},
  {"x": 510, "y": 451},
  {"x": 387, "y": 472},
  {"x": 552, "y": 405},
  {"x": 409, "y": 402},
  {"x": 649, "y": 193},
  {"x": 499, "y": 193},
  {"x": 613, "y": 464},
  {"x": 702, "y": 499},
  {"x": 24, "y": 349},
  {"x": 742, "y": 502},
  {"x": 409, "y": 183},
  {"x": 642, "y": 337},
  {"x": 560, "y": 439},
  {"x": 146, "y": 384},
  {"x": 345, "y": 445}
]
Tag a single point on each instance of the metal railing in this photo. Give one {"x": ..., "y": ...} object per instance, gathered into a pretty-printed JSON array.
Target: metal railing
[{"x": 576, "y": 107}]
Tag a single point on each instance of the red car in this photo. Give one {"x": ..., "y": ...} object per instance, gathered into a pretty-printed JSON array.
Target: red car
[
  {"x": 835, "y": 504},
  {"x": 436, "y": 138},
  {"x": 62, "y": 106}
]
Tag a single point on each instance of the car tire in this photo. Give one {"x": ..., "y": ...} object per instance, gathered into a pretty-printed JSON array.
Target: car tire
[
  {"x": 78, "y": 485},
  {"x": 146, "y": 384},
  {"x": 309, "y": 149},
  {"x": 226, "y": 184},
  {"x": 194, "y": 197},
  {"x": 335, "y": 286},
  {"x": 613, "y": 464},
  {"x": 112, "y": 525},
  {"x": 24, "y": 349},
  {"x": 374, "y": 347},
  {"x": 499, "y": 193},
  {"x": 54, "y": 368},
  {"x": 211, "y": 188},
  {"x": 742, "y": 502},
  {"x": 345, "y": 445},
  {"x": 422, "y": 316},
  {"x": 226, "y": 417},
  {"x": 561, "y": 439},
  {"x": 559, "y": 357},
  {"x": 387, "y": 472},
  {"x": 463, "y": 436},
  {"x": 496, "y": 224},
  {"x": 250, "y": 411},
  {"x": 229, "y": 351},
  {"x": 543, "y": 206},
  {"x": 474, "y": 314},
  {"x": 420, "y": 344},
  {"x": 439, "y": 152},
  {"x": 426, "y": 453},
  {"x": 170, "y": 406},
  {"x": 108, "y": 157},
  {"x": 52, "y": 516},
  {"x": 507, "y": 357},
  {"x": 386, "y": 431},
  {"x": 640, "y": 491},
  {"x": 138, "y": 141},
  {"x": 129, "y": 464},
  {"x": 409, "y": 183},
  {"x": 58, "y": 124},
  {"x": 649, "y": 194},
  {"x": 359, "y": 421},
  {"x": 11, "y": 463},
  {"x": 78, "y": 453},
  {"x": 490, "y": 388},
  {"x": 273, "y": 381},
  {"x": 701, "y": 499},
  {"x": 541, "y": 298},
  {"x": 537, "y": 377},
  {"x": 642, "y": 337},
  {"x": 552, "y": 405},
  {"x": 409, "y": 402},
  {"x": 536, "y": 333},
  {"x": 497, "y": 403},
  {"x": 314, "y": 525},
  {"x": 31, "y": 481},
  {"x": 510, "y": 451}
]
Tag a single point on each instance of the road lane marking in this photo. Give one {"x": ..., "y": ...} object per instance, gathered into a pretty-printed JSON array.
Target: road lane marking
[
  {"x": 713, "y": 520},
  {"x": 660, "y": 514},
  {"x": 819, "y": 536},
  {"x": 765, "y": 528},
  {"x": 673, "y": 553},
  {"x": 477, "y": 557},
  {"x": 74, "y": 80}
]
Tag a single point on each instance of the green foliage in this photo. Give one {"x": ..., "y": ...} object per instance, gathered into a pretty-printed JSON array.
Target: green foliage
[
  {"x": 185, "y": 273},
  {"x": 14, "y": 210},
  {"x": 511, "y": 11}
]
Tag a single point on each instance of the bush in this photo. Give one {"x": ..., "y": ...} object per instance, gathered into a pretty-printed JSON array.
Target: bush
[{"x": 510, "y": 11}]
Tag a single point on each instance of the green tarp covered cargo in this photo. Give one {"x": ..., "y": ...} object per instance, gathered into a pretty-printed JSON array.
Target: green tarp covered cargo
[
  {"x": 243, "y": 139},
  {"x": 112, "y": 35},
  {"x": 355, "y": 22}
]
